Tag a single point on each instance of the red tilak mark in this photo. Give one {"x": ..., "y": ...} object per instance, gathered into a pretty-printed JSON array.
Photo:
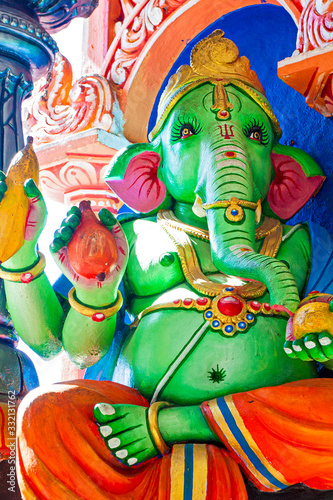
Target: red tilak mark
[
  {"x": 99, "y": 284},
  {"x": 62, "y": 257},
  {"x": 230, "y": 154},
  {"x": 118, "y": 268},
  {"x": 228, "y": 133},
  {"x": 121, "y": 250},
  {"x": 31, "y": 224},
  {"x": 35, "y": 199},
  {"x": 76, "y": 277},
  {"x": 116, "y": 229}
]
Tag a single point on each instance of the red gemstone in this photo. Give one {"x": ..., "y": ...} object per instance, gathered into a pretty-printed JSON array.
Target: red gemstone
[
  {"x": 187, "y": 302},
  {"x": 98, "y": 317},
  {"x": 26, "y": 278},
  {"x": 202, "y": 301},
  {"x": 224, "y": 113},
  {"x": 176, "y": 301},
  {"x": 313, "y": 291},
  {"x": 230, "y": 306},
  {"x": 255, "y": 305},
  {"x": 267, "y": 307}
]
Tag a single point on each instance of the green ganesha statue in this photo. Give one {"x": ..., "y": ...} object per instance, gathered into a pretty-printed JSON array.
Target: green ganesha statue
[{"x": 216, "y": 379}]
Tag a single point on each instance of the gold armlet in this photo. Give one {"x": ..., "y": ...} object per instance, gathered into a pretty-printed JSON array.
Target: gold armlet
[
  {"x": 153, "y": 426},
  {"x": 234, "y": 211},
  {"x": 98, "y": 314},
  {"x": 27, "y": 275}
]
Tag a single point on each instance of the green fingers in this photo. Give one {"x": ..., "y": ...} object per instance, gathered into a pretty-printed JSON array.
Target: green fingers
[
  {"x": 288, "y": 349},
  {"x": 3, "y": 185},
  {"x": 107, "y": 218},
  {"x": 64, "y": 234},
  {"x": 300, "y": 351},
  {"x": 74, "y": 211},
  {"x": 326, "y": 343},
  {"x": 312, "y": 347},
  {"x": 31, "y": 190}
]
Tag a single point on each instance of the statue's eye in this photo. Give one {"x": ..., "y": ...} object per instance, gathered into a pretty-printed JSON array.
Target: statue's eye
[
  {"x": 184, "y": 127},
  {"x": 256, "y": 134},
  {"x": 256, "y": 131},
  {"x": 186, "y": 131}
]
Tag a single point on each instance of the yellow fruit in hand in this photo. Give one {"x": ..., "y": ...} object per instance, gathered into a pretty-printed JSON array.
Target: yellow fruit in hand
[
  {"x": 314, "y": 317},
  {"x": 15, "y": 205}
]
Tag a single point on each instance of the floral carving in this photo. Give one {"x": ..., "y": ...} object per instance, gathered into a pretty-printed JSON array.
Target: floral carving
[
  {"x": 141, "y": 22},
  {"x": 58, "y": 108},
  {"x": 315, "y": 25},
  {"x": 74, "y": 180}
]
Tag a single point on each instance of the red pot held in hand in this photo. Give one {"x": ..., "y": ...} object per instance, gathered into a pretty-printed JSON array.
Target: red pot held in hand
[{"x": 92, "y": 250}]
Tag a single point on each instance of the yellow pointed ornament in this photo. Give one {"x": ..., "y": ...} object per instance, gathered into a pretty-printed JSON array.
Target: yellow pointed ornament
[{"x": 14, "y": 206}]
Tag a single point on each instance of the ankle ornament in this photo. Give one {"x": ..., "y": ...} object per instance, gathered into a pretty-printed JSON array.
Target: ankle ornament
[{"x": 155, "y": 432}]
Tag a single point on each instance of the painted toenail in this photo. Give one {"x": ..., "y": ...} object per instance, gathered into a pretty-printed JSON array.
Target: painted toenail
[
  {"x": 121, "y": 454},
  {"x": 114, "y": 443},
  {"x": 105, "y": 430},
  {"x": 106, "y": 409}
]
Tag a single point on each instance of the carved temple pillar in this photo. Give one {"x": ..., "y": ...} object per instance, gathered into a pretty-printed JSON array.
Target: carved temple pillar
[{"x": 26, "y": 53}]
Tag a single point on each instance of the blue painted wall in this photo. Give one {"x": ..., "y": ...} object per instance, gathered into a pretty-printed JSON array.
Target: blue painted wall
[{"x": 267, "y": 34}]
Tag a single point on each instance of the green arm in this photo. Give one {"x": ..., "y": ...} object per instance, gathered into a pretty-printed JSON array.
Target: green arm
[
  {"x": 38, "y": 325},
  {"x": 34, "y": 307}
]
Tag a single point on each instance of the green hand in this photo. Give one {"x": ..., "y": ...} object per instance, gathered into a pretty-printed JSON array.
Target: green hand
[
  {"x": 35, "y": 222},
  {"x": 63, "y": 235},
  {"x": 312, "y": 347},
  {"x": 91, "y": 292},
  {"x": 125, "y": 431}
]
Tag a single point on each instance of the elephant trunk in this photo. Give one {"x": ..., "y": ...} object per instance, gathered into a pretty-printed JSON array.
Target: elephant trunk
[{"x": 232, "y": 243}]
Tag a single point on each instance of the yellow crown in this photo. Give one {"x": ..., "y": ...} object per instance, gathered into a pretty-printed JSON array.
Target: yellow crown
[{"x": 214, "y": 60}]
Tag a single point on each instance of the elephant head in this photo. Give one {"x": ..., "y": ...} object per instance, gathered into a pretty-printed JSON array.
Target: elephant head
[{"x": 214, "y": 155}]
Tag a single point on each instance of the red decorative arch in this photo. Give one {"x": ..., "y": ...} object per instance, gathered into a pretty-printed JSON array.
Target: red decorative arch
[{"x": 150, "y": 39}]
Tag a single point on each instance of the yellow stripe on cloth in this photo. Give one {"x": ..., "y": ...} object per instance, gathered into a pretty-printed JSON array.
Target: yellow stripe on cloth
[
  {"x": 253, "y": 445},
  {"x": 177, "y": 472},
  {"x": 233, "y": 443},
  {"x": 200, "y": 471}
]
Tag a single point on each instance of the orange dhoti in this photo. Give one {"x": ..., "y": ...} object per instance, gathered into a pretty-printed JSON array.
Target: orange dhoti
[{"x": 278, "y": 436}]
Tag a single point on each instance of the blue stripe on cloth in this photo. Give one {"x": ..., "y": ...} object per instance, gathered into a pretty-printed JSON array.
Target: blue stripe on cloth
[
  {"x": 244, "y": 445},
  {"x": 188, "y": 479}
]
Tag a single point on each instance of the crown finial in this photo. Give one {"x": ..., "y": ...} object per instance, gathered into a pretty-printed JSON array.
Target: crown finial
[{"x": 215, "y": 60}]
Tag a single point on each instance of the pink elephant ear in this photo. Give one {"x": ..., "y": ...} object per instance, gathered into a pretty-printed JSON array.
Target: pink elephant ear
[
  {"x": 291, "y": 187},
  {"x": 140, "y": 188}
]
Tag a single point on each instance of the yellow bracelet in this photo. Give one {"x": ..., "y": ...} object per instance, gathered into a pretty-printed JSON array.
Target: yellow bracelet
[
  {"x": 98, "y": 314},
  {"x": 153, "y": 426},
  {"x": 24, "y": 276},
  {"x": 234, "y": 211}
]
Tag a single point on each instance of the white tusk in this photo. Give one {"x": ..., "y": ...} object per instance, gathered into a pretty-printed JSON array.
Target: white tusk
[{"x": 197, "y": 207}]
